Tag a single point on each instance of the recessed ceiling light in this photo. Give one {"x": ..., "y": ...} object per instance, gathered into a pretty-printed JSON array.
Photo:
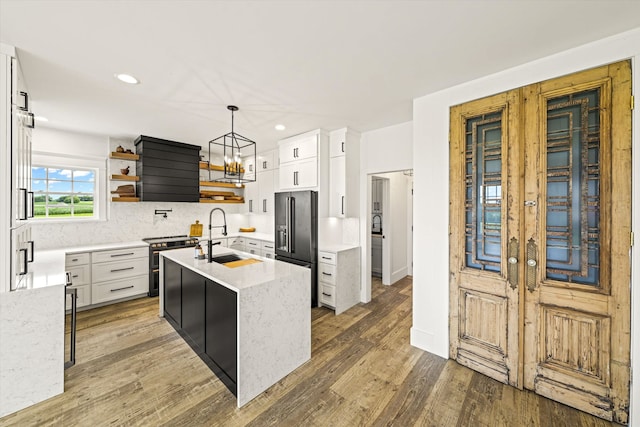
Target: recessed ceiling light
[
  {"x": 127, "y": 78},
  {"x": 41, "y": 119},
  {"x": 280, "y": 127}
]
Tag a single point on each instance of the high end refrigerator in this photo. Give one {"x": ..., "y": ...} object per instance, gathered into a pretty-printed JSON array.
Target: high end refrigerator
[{"x": 296, "y": 232}]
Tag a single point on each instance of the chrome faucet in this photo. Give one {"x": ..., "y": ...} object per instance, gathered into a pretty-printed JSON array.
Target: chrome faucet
[{"x": 224, "y": 232}]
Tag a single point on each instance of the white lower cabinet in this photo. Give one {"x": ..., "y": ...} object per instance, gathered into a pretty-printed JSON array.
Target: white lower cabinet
[
  {"x": 253, "y": 246},
  {"x": 108, "y": 275},
  {"x": 78, "y": 268},
  {"x": 339, "y": 277},
  {"x": 119, "y": 273},
  {"x": 237, "y": 243},
  {"x": 116, "y": 289},
  {"x": 268, "y": 249}
]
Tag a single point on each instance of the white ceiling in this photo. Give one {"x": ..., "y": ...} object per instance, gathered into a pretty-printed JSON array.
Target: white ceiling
[{"x": 305, "y": 64}]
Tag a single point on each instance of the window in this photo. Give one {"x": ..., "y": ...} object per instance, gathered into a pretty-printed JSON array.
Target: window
[{"x": 63, "y": 193}]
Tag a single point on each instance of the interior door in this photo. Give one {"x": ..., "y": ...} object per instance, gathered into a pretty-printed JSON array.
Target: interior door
[
  {"x": 577, "y": 219},
  {"x": 540, "y": 237},
  {"x": 484, "y": 220}
]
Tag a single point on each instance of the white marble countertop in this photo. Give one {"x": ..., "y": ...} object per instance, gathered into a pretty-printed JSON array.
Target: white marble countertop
[
  {"x": 46, "y": 270},
  {"x": 238, "y": 278},
  {"x": 335, "y": 248}
]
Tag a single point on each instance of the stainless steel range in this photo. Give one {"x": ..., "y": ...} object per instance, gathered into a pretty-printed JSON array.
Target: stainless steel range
[{"x": 157, "y": 245}]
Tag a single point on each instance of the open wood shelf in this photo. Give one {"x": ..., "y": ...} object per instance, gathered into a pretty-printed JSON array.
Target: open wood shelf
[
  {"x": 123, "y": 156},
  {"x": 219, "y": 168},
  {"x": 220, "y": 201},
  {"x": 125, "y": 178},
  {"x": 125, "y": 199},
  {"x": 219, "y": 184}
]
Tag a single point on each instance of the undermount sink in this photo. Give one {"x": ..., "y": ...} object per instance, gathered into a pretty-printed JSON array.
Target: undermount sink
[{"x": 221, "y": 259}]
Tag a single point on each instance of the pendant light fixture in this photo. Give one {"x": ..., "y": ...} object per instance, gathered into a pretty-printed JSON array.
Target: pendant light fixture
[{"x": 236, "y": 152}]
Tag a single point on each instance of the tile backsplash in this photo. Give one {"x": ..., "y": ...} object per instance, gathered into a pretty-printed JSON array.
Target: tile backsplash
[{"x": 134, "y": 221}]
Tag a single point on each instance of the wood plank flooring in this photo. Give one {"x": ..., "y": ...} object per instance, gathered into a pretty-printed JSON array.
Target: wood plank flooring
[{"x": 134, "y": 369}]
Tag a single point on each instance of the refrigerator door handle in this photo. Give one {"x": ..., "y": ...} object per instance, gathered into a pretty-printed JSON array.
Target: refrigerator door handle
[
  {"x": 287, "y": 214},
  {"x": 292, "y": 227}
]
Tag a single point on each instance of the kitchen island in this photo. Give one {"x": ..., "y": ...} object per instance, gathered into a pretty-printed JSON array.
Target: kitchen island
[{"x": 250, "y": 324}]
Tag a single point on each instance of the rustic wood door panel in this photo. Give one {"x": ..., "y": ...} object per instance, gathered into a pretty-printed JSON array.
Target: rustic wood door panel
[
  {"x": 540, "y": 233},
  {"x": 484, "y": 300}
]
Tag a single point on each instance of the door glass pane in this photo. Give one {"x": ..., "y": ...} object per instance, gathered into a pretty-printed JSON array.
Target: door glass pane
[
  {"x": 573, "y": 188},
  {"x": 483, "y": 192}
]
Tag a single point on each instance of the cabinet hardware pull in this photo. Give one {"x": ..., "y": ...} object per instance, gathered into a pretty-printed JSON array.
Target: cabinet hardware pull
[
  {"x": 26, "y": 195},
  {"x": 156, "y": 270},
  {"x": 32, "y": 204},
  {"x": 342, "y": 205},
  {"x": 74, "y": 260},
  {"x": 343, "y": 146},
  {"x": 264, "y": 164},
  {"x": 264, "y": 205},
  {"x": 32, "y": 121},
  {"x": 25, "y": 106},
  {"x": 75, "y": 275},
  {"x": 326, "y": 274},
  {"x": 122, "y": 269},
  {"x": 326, "y": 294},
  {"x": 251, "y": 205},
  {"x": 117, "y": 255},
  {"x": 24, "y": 263},
  {"x": 326, "y": 257},
  {"x": 121, "y": 289},
  {"x": 31, "y": 250}
]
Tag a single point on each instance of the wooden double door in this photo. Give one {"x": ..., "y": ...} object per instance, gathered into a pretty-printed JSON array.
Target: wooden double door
[{"x": 540, "y": 217}]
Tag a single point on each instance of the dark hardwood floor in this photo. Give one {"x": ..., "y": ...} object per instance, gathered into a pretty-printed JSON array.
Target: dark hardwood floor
[{"x": 134, "y": 369}]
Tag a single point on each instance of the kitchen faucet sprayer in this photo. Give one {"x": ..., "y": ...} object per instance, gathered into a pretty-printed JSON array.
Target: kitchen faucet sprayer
[{"x": 224, "y": 232}]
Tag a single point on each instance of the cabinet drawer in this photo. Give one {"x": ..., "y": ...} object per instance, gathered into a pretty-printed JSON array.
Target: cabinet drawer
[
  {"x": 80, "y": 275},
  {"x": 268, "y": 254},
  {"x": 253, "y": 251},
  {"x": 83, "y": 297},
  {"x": 328, "y": 294},
  {"x": 76, "y": 259},
  {"x": 120, "y": 254},
  {"x": 251, "y": 244},
  {"x": 236, "y": 241},
  {"x": 327, "y": 273},
  {"x": 268, "y": 246},
  {"x": 119, "y": 289},
  {"x": 108, "y": 271},
  {"x": 327, "y": 257}
]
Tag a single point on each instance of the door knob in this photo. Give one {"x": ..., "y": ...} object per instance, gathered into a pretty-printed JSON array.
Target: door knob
[
  {"x": 512, "y": 260},
  {"x": 532, "y": 263}
]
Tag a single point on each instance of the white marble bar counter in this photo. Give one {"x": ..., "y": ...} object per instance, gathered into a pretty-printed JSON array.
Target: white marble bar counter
[
  {"x": 273, "y": 315},
  {"x": 32, "y": 335}
]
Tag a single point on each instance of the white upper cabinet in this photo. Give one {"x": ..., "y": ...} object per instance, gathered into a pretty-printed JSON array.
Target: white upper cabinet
[
  {"x": 344, "y": 193},
  {"x": 304, "y": 165},
  {"x": 266, "y": 160},
  {"x": 292, "y": 150}
]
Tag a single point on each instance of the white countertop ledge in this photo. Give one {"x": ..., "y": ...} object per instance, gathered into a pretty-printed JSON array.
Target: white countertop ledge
[{"x": 238, "y": 278}]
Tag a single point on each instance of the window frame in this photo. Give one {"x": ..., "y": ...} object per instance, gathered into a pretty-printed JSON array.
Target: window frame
[{"x": 60, "y": 161}]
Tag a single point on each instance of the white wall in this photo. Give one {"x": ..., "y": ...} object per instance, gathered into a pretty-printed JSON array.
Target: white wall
[
  {"x": 431, "y": 198},
  {"x": 382, "y": 150}
]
